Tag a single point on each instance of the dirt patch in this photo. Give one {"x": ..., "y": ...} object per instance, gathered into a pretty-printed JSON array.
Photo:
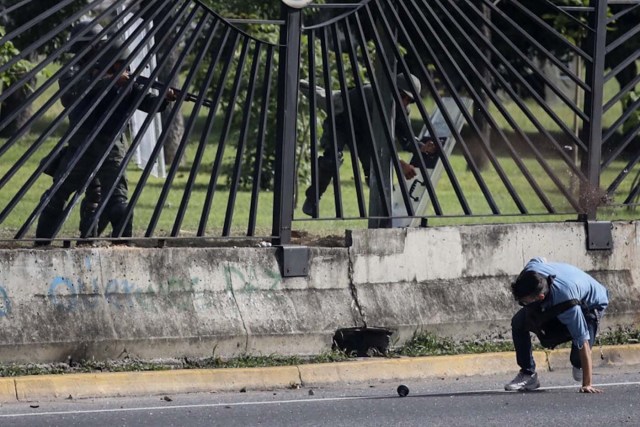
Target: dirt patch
[{"x": 304, "y": 238}]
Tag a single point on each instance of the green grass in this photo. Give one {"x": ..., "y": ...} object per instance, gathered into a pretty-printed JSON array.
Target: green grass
[
  {"x": 451, "y": 208},
  {"x": 428, "y": 344},
  {"x": 452, "y": 213},
  {"x": 138, "y": 365},
  {"x": 147, "y": 202}
]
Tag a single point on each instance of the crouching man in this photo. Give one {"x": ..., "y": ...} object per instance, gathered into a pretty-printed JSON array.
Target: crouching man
[{"x": 561, "y": 303}]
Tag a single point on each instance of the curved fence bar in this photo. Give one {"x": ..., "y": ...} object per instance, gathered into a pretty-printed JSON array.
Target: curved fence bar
[{"x": 159, "y": 120}]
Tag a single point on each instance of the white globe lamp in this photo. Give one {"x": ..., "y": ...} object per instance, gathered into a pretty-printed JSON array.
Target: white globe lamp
[{"x": 297, "y": 4}]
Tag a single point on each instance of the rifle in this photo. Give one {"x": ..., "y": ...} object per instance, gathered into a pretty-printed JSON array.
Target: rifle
[{"x": 190, "y": 97}]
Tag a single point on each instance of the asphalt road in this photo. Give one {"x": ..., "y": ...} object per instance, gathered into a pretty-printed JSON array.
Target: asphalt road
[{"x": 474, "y": 401}]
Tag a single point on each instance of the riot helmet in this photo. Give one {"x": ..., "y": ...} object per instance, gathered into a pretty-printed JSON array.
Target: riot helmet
[
  {"x": 114, "y": 54},
  {"x": 89, "y": 36},
  {"x": 404, "y": 85}
]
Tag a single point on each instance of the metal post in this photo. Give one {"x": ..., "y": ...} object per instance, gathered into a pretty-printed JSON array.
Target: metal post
[
  {"x": 480, "y": 155},
  {"x": 376, "y": 200},
  {"x": 593, "y": 107},
  {"x": 376, "y": 206},
  {"x": 288, "y": 77}
]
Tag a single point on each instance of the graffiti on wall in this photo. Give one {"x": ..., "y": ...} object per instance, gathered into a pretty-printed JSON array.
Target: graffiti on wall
[
  {"x": 70, "y": 295},
  {"x": 5, "y": 302},
  {"x": 91, "y": 290},
  {"x": 246, "y": 278}
]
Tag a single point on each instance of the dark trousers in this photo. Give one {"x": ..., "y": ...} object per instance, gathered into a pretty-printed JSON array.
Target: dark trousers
[
  {"x": 88, "y": 210},
  {"x": 327, "y": 163},
  {"x": 53, "y": 213},
  {"x": 522, "y": 341}
]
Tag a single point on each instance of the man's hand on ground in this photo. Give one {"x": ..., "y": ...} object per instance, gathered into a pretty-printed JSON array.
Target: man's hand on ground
[{"x": 589, "y": 389}]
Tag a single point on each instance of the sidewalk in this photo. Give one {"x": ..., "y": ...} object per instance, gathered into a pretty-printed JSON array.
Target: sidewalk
[{"x": 94, "y": 385}]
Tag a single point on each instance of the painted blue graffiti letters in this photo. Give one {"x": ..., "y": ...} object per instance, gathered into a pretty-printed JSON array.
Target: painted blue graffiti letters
[
  {"x": 119, "y": 293},
  {"x": 5, "y": 303},
  {"x": 89, "y": 297},
  {"x": 63, "y": 294}
]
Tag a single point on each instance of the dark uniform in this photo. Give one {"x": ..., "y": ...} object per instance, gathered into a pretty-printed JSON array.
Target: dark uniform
[
  {"x": 92, "y": 197},
  {"x": 93, "y": 193},
  {"x": 363, "y": 139},
  {"x": 107, "y": 174}
]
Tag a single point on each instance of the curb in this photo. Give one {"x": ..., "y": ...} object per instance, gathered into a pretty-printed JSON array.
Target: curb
[{"x": 119, "y": 384}]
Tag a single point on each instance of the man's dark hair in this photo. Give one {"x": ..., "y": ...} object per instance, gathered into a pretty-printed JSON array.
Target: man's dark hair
[{"x": 530, "y": 283}]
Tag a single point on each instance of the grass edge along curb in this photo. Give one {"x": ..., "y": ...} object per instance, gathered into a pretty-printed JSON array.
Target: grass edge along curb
[{"x": 420, "y": 345}]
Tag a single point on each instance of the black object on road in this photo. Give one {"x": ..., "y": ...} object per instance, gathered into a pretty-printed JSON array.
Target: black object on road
[{"x": 403, "y": 390}]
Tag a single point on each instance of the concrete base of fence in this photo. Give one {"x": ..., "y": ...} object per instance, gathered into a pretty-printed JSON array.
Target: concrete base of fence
[{"x": 106, "y": 303}]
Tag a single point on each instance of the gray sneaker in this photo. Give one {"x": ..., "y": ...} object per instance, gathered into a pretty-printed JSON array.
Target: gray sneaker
[
  {"x": 523, "y": 382},
  {"x": 577, "y": 373}
]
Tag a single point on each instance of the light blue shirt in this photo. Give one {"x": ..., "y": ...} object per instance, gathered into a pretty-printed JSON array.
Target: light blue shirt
[{"x": 571, "y": 283}]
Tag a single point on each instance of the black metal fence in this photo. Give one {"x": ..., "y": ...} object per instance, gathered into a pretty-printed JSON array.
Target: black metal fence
[{"x": 434, "y": 109}]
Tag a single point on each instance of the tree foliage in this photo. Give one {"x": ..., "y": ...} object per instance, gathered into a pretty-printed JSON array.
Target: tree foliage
[
  {"x": 36, "y": 29},
  {"x": 259, "y": 10},
  {"x": 246, "y": 9},
  {"x": 7, "y": 52}
]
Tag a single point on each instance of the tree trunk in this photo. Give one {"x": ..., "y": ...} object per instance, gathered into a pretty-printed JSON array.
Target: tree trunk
[
  {"x": 175, "y": 128},
  {"x": 479, "y": 155}
]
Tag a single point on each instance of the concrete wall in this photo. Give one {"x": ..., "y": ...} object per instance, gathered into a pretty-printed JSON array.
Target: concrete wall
[
  {"x": 176, "y": 302},
  {"x": 455, "y": 281}
]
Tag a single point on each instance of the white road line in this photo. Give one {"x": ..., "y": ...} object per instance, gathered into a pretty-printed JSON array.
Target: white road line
[
  {"x": 280, "y": 402},
  {"x": 577, "y": 384},
  {"x": 202, "y": 405}
]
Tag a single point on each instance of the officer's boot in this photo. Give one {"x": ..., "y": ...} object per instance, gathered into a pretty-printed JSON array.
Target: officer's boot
[
  {"x": 88, "y": 211},
  {"x": 117, "y": 216},
  {"x": 89, "y": 208},
  {"x": 325, "y": 175},
  {"x": 47, "y": 224}
]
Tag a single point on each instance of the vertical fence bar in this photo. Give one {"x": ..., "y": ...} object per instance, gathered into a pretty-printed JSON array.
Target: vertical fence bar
[
  {"x": 378, "y": 212},
  {"x": 593, "y": 106},
  {"x": 264, "y": 116},
  {"x": 313, "y": 124},
  {"x": 288, "y": 77}
]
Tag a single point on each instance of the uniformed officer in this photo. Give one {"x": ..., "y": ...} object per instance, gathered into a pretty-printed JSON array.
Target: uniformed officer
[
  {"x": 363, "y": 140},
  {"x": 83, "y": 34},
  {"x": 110, "y": 119}
]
